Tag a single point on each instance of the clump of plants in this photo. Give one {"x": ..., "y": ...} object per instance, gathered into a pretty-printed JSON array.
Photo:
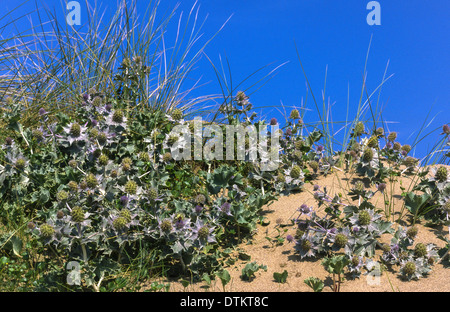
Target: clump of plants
[
  {"x": 101, "y": 186},
  {"x": 351, "y": 235}
]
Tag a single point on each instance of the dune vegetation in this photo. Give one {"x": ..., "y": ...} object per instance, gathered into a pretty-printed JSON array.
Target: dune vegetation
[{"x": 92, "y": 197}]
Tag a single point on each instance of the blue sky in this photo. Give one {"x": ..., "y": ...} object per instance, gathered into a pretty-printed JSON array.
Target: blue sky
[{"x": 332, "y": 38}]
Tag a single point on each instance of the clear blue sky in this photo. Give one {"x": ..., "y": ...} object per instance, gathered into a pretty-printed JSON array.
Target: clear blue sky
[{"x": 413, "y": 37}]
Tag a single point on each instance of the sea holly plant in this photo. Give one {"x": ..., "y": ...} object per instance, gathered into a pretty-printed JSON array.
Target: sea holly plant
[
  {"x": 433, "y": 202},
  {"x": 107, "y": 186},
  {"x": 353, "y": 232}
]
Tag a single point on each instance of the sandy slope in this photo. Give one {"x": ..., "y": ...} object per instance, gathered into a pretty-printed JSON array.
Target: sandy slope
[{"x": 283, "y": 257}]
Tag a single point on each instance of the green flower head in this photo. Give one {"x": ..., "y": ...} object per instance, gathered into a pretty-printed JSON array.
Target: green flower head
[
  {"x": 392, "y": 136},
  {"x": 177, "y": 114},
  {"x": 200, "y": 199},
  {"x": 167, "y": 156},
  {"x": 341, "y": 240},
  {"x": 294, "y": 114},
  {"x": 166, "y": 225},
  {"x": 314, "y": 165},
  {"x": 172, "y": 139},
  {"x": 441, "y": 174},
  {"x": 97, "y": 101},
  {"x": 83, "y": 185},
  {"x": 126, "y": 164},
  {"x": 126, "y": 214},
  {"x": 406, "y": 148},
  {"x": 373, "y": 142},
  {"x": 62, "y": 195},
  {"x": 117, "y": 116},
  {"x": 359, "y": 186},
  {"x": 38, "y": 134},
  {"x": 47, "y": 230},
  {"x": 73, "y": 163},
  {"x": 103, "y": 160},
  {"x": 77, "y": 214},
  {"x": 93, "y": 133},
  {"x": 153, "y": 193},
  {"x": 359, "y": 128},
  {"x": 298, "y": 144},
  {"x": 60, "y": 214},
  {"x": 368, "y": 155},
  {"x": 91, "y": 181},
  {"x": 295, "y": 172},
  {"x": 386, "y": 247},
  {"x": 379, "y": 131},
  {"x": 119, "y": 223},
  {"x": 420, "y": 250},
  {"x": 355, "y": 261},
  {"x": 127, "y": 161},
  {"x": 144, "y": 156},
  {"x": 409, "y": 268},
  {"x": 20, "y": 163},
  {"x": 203, "y": 232},
  {"x": 446, "y": 206},
  {"x": 75, "y": 130},
  {"x": 412, "y": 232},
  {"x": 131, "y": 187},
  {"x": 306, "y": 245},
  {"x": 356, "y": 147},
  {"x": 96, "y": 153},
  {"x": 397, "y": 146},
  {"x": 410, "y": 162},
  {"x": 102, "y": 138},
  {"x": 73, "y": 186},
  {"x": 364, "y": 217}
]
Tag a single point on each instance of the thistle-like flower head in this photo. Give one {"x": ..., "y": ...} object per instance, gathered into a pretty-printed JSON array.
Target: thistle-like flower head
[
  {"x": 296, "y": 172},
  {"x": 420, "y": 250},
  {"x": 177, "y": 114},
  {"x": 410, "y": 162},
  {"x": 241, "y": 99},
  {"x": 91, "y": 181},
  {"x": 62, "y": 195},
  {"x": 441, "y": 174},
  {"x": 131, "y": 187},
  {"x": 203, "y": 233},
  {"x": 119, "y": 223},
  {"x": 367, "y": 155},
  {"x": 359, "y": 129},
  {"x": 153, "y": 193},
  {"x": 77, "y": 214},
  {"x": 412, "y": 232},
  {"x": 373, "y": 142},
  {"x": 392, "y": 137},
  {"x": 364, "y": 219},
  {"x": 75, "y": 132},
  {"x": 406, "y": 148},
  {"x": 294, "y": 114},
  {"x": 117, "y": 119},
  {"x": 47, "y": 230}
]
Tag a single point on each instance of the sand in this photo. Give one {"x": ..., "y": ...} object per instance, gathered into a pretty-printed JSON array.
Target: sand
[{"x": 282, "y": 257}]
